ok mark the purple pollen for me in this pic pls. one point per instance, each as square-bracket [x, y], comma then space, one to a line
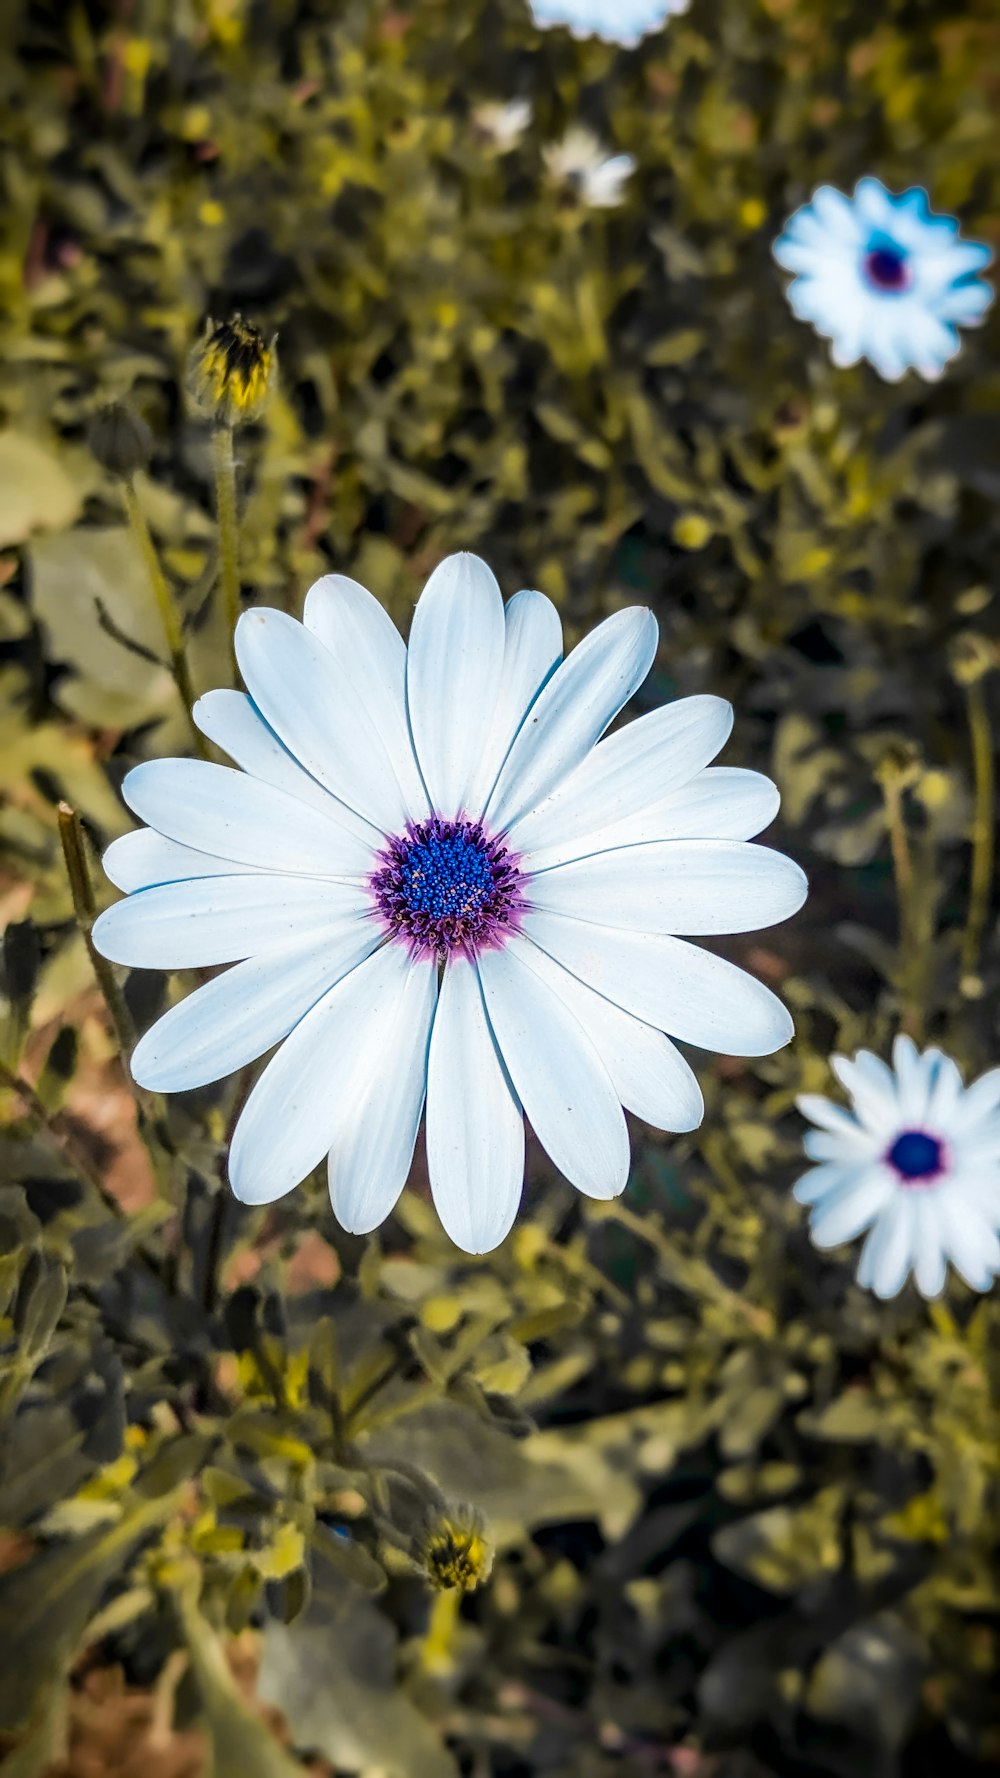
[446, 886]
[916, 1157]
[887, 269]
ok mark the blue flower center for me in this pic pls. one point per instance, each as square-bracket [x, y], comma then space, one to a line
[887, 268]
[448, 878]
[445, 886]
[915, 1155]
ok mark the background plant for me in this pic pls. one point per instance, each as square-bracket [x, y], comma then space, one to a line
[744, 1516]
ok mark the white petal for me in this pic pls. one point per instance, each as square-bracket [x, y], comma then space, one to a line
[372, 1152]
[232, 720]
[829, 1116]
[945, 1095]
[887, 1253]
[532, 651]
[973, 1247]
[648, 1073]
[235, 1018]
[836, 212]
[852, 1207]
[308, 1091]
[315, 706]
[981, 1099]
[361, 635]
[231, 815]
[692, 887]
[964, 304]
[816, 1185]
[623, 778]
[563, 1085]
[930, 1259]
[719, 803]
[475, 1131]
[872, 1087]
[142, 859]
[453, 676]
[845, 1146]
[207, 920]
[687, 992]
[572, 711]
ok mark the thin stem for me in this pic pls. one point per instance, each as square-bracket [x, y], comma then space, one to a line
[85, 909]
[225, 506]
[149, 1107]
[168, 616]
[984, 776]
[909, 918]
[436, 1650]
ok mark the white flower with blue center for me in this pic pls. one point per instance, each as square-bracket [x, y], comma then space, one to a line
[436, 882]
[916, 1161]
[883, 277]
[619, 21]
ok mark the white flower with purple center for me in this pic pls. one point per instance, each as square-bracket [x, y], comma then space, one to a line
[884, 277]
[437, 885]
[916, 1161]
[619, 21]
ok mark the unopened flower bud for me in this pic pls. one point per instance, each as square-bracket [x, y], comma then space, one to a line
[232, 370]
[454, 1549]
[121, 441]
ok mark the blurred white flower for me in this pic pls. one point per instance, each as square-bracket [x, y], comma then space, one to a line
[883, 277]
[916, 1160]
[435, 880]
[619, 21]
[503, 125]
[580, 163]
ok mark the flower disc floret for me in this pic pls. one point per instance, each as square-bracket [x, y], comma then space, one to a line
[887, 268]
[447, 886]
[917, 1157]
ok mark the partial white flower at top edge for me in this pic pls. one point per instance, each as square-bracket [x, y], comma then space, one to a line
[579, 162]
[884, 277]
[916, 1160]
[618, 21]
[436, 882]
[502, 126]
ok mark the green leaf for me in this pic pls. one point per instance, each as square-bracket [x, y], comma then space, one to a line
[241, 1745]
[74, 574]
[36, 492]
[45, 1605]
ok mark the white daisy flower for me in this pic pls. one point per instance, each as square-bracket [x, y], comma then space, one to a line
[916, 1161]
[579, 161]
[435, 880]
[502, 126]
[618, 21]
[883, 277]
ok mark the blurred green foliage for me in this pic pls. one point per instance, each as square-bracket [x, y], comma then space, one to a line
[745, 1516]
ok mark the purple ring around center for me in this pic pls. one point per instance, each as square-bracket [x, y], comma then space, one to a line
[448, 887]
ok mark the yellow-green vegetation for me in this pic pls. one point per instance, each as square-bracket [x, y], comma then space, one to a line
[742, 1517]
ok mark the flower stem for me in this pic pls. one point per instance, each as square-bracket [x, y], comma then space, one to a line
[910, 962]
[149, 1107]
[85, 909]
[436, 1651]
[225, 506]
[984, 777]
[179, 669]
